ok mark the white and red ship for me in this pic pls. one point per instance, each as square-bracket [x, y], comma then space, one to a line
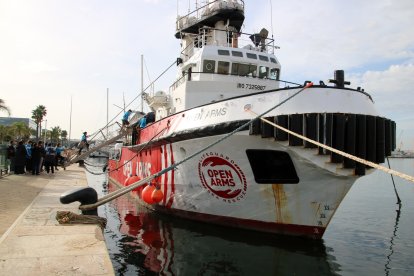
[260, 178]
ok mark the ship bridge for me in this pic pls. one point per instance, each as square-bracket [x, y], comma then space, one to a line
[214, 73]
[217, 60]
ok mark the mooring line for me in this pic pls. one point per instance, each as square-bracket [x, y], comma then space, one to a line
[344, 154]
[393, 183]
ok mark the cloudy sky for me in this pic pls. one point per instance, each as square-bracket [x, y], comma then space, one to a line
[55, 50]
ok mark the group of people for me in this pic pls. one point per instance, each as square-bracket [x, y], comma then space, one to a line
[32, 157]
[145, 120]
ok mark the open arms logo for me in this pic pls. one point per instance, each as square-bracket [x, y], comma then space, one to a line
[222, 177]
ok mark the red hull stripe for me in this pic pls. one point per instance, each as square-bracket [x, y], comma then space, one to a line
[171, 199]
[164, 201]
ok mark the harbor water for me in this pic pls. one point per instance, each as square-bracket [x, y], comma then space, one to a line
[367, 236]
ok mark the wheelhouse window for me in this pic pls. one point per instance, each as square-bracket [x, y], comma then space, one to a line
[223, 67]
[209, 66]
[252, 56]
[273, 60]
[224, 52]
[274, 74]
[263, 72]
[241, 69]
[264, 58]
[237, 54]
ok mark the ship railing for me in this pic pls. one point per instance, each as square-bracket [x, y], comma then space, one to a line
[253, 42]
[206, 10]
[234, 40]
[177, 83]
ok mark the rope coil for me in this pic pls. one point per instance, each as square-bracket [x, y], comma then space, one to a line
[66, 217]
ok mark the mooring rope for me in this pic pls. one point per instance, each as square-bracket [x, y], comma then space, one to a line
[393, 183]
[344, 154]
[124, 190]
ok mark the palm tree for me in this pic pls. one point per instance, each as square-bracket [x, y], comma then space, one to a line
[64, 135]
[20, 130]
[37, 115]
[4, 133]
[3, 107]
[55, 134]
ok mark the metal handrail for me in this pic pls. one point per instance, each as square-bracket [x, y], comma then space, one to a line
[241, 2]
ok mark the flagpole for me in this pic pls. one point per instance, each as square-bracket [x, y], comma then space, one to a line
[70, 119]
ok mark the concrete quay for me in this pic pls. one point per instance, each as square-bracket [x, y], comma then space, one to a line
[32, 242]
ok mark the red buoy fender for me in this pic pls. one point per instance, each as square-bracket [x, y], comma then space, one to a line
[157, 195]
[147, 194]
[133, 179]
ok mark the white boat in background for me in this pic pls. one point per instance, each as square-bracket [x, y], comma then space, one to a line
[260, 178]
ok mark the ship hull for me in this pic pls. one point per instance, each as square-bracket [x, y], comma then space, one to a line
[219, 186]
[247, 181]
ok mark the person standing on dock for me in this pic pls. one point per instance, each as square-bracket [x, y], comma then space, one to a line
[37, 152]
[125, 118]
[11, 152]
[59, 158]
[20, 158]
[50, 158]
[28, 146]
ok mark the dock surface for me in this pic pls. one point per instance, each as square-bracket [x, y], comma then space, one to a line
[32, 242]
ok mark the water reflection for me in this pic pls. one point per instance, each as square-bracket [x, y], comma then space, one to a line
[150, 243]
[394, 235]
[365, 237]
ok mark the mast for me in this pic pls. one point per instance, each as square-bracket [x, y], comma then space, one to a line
[70, 119]
[107, 110]
[142, 83]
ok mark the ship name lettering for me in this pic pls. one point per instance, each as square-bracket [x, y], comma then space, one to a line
[202, 115]
[143, 169]
[221, 178]
[127, 168]
[216, 112]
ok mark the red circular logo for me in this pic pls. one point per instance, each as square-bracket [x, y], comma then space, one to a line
[222, 177]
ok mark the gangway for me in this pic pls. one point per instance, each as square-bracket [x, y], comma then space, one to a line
[76, 158]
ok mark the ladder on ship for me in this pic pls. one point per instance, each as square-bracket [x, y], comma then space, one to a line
[106, 143]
